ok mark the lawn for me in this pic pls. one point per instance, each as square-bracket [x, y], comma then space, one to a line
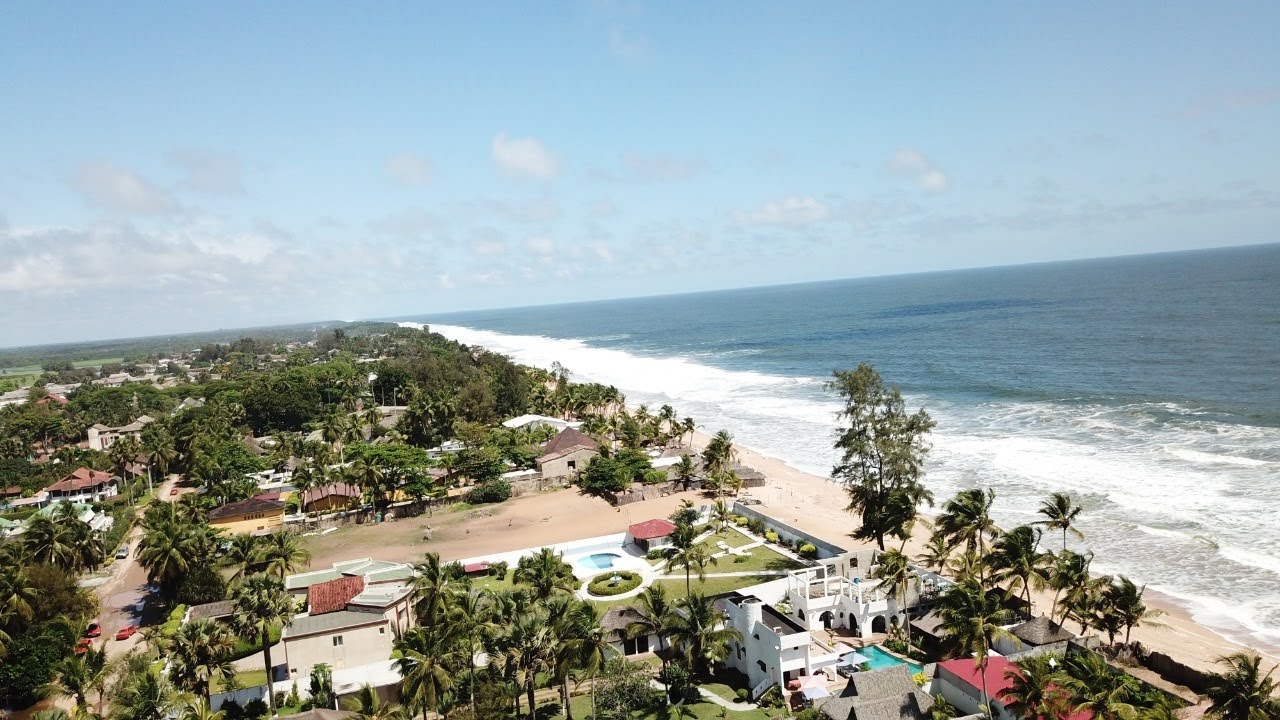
[729, 536]
[245, 679]
[712, 585]
[494, 584]
[761, 558]
[581, 705]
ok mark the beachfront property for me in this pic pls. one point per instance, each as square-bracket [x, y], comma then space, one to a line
[884, 694]
[960, 682]
[102, 437]
[1038, 632]
[83, 486]
[651, 535]
[533, 421]
[255, 516]
[334, 496]
[614, 623]
[374, 572]
[567, 454]
[774, 648]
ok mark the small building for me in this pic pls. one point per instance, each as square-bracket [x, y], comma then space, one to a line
[333, 595]
[884, 694]
[532, 421]
[774, 648]
[220, 610]
[651, 534]
[960, 682]
[340, 639]
[476, 569]
[255, 516]
[567, 454]
[327, 498]
[84, 485]
[1034, 633]
[102, 437]
[374, 572]
[615, 622]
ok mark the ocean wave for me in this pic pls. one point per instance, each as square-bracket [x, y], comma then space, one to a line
[1196, 456]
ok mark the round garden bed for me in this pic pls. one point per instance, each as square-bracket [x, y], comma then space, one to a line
[613, 583]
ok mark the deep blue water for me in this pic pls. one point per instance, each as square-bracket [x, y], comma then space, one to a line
[1146, 385]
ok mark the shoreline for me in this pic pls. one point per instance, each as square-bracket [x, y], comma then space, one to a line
[806, 500]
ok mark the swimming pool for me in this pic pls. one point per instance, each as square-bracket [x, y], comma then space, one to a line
[878, 658]
[598, 561]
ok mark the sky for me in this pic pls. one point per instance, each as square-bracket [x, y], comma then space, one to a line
[176, 167]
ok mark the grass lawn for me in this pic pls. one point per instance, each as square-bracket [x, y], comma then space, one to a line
[762, 558]
[581, 705]
[726, 683]
[97, 362]
[245, 679]
[729, 536]
[711, 586]
[495, 584]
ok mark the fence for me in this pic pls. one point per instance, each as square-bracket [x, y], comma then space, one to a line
[787, 532]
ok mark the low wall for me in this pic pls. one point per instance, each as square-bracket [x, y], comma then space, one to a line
[787, 532]
[241, 697]
[537, 485]
[641, 493]
[1173, 671]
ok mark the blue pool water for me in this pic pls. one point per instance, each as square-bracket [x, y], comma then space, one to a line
[599, 561]
[878, 658]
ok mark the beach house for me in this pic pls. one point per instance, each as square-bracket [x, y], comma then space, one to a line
[349, 620]
[652, 534]
[615, 622]
[883, 694]
[334, 496]
[255, 516]
[84, 486]
[567, 454]
[840, 593]
[102, 437]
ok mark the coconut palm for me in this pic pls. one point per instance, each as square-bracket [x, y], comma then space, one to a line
[1243, 691]
[686, 470]
[368, 706]
[688, 426]
[472, 611]
[545, 572]
[200, 710]
[77, 676]
[972, 620]
[1036, 689]
[695, 631]
[1097, 689]
[260, 605]
[719, 454]
[721, 515]
[1069, 574]
[243, 556]
[528, 650]
[281, 553]
[430, 589]
[966, 521]
[936, 553]
[1124, 599]
[143, 694]
[51, 542]
[1015, 559]
[654, 613]
[1060, 513]
[199, 653]
[694, 558]
[586, 647]
[893, 568]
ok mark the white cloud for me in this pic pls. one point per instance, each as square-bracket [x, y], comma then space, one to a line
[446, 282]
[909, 162]
[793, 211]
[114, 188]
[488, 242]
[658, 167]
[409, 169]
[602, 207]
[543, 246]
[414, 224]
[524, 157]
[207, 172]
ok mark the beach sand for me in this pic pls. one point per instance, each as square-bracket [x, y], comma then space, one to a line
[811, 503]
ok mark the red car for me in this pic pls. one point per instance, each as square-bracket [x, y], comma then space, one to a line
[93, 631]
[173, 491]
[126, 632]
[82, 647]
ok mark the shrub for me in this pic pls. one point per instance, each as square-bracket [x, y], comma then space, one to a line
[739, 521]
[614, 583]
[494, 491]
[498, 568]
[656, 554]
[771, 536]
[255, 709]
[740, 558]
[920, 679]
[772, 698]
[808, 550]
[174, 621]
[743, 695]
[756, 525]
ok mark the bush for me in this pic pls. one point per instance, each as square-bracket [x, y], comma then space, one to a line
[494, 491]
[743, 695]
[498, 568]
[771, 536]
[614, 583]
[174, 621]
[255, 709]
[740, 558]
[739, 520]
[656, 554]
[808, 550]
[772, 698]
[756, 525]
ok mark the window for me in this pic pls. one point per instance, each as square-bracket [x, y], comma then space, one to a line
[763, 667]
[382, 631]
[337, 641]
[573, 464]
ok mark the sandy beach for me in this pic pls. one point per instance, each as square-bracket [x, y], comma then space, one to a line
[809, 502]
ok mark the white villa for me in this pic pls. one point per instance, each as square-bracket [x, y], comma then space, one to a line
[774, 647]
[102, 437]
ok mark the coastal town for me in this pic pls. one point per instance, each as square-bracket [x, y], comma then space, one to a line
[374, 521]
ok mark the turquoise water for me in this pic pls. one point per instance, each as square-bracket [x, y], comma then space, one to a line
[599, 561]
[1145, 386]
[878, 658]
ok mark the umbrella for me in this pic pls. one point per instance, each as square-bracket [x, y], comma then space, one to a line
[854, 659]
[814, 693]
[812, 681]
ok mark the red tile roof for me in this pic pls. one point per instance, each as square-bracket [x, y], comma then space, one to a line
[52, 397]
[81, 479]
[245, 507]
[651, 529]
[11, 491]
[475, 567]
[997, 682]
[332, 596]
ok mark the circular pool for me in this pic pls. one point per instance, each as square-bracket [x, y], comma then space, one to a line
[599, 561]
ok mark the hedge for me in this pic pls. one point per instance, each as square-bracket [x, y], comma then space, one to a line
[605, 585]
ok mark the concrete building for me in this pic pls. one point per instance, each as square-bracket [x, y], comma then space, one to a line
[374, 572]
[255, 516]
[615, 622]
[651, 534]
[567, 454]
[102, 437]
[339, 639]
[532, 421]
[84, 486]
[774, 648]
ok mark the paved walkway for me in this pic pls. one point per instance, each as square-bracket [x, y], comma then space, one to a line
[713, 698]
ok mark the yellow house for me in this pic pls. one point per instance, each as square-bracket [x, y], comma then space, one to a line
[255, 516]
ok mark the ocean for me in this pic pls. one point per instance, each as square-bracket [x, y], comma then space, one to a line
[1146, 386]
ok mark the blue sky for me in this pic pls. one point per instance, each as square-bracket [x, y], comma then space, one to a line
[177, 167]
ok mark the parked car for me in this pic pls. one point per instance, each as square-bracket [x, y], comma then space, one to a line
[126, 632]
[93, 631]
[122, 552]
[82, 647]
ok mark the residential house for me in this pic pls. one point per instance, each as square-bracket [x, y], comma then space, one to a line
[374, 572]
[960, 682]
[567, 454]
[188, 403]
[102, 437]
[220, 610]
[341, 639]
[256, 516]
[651, 534]
[52, 398]
[774, 648]
[334, 496]
[532, 421]
[84, 485]
[885, 694]
[14, 397]
[614, 623]
[38, 500]
[842, 593]
[1037, 632]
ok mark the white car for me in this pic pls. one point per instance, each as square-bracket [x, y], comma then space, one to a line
[123, 552]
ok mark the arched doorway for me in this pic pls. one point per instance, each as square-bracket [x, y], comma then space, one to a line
[878, 624]
[827, 619]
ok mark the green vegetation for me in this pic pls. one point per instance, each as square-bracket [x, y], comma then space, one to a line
[615, 583]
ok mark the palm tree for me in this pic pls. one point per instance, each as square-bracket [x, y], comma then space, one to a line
[721, 515]
[260, 605]
[719, 454]
[243, 556]
[430, 589]
[1036, 689]
[966, 520]
[936, 553]
[368, 706]
[281, 553]
[1069, 574]
[199, 653]
[77, 676]
[1124, 599]
[158, 449]
[688, 426]
[654, 613]
[1016, 559]
[546, 572]
[693, 558]
[426, 665]
[51, 543]
[471, 611]
[528, 648]
[1060, 513]
[1243, 691]
[696, 632]
[893, 568]
[586, 647]
[143, 694]
[1097, 689]
[686, 470]
[971, 621]
[200, 710]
